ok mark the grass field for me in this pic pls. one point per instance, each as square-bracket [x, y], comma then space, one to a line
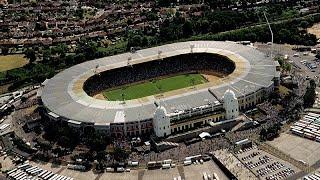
[149, 88]
[11, 62]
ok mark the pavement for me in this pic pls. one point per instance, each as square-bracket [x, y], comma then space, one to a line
[191, 172]
[297, 147]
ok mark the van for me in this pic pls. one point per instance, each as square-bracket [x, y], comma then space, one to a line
[109, 169]
[187, 162]
[120, 169]
[166, 166]
[168, 161]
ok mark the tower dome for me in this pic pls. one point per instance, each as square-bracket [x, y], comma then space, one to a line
[230, 104]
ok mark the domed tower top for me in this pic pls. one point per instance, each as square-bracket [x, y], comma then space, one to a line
[230, 104]
[161, 122]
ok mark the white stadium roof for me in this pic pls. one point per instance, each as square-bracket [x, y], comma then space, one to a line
[64, 95]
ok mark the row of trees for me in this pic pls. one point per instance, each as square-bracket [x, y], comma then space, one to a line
[310, 95]
[212, 23]
[222, 4]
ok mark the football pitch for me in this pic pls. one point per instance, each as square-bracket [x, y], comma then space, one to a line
[152, 87]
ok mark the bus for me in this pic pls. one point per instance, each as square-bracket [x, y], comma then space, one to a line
[23, 165]
[30, 169]
[12, 171]
[37, 171]
[53, 177]
[45, 174]
[42, 173]
[48, 176]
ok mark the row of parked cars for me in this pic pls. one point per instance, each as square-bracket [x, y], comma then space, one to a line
[262, 160]
[281, 175]
[250, 156]
[270, 168]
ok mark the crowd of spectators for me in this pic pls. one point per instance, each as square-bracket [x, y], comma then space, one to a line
[180, 152]
[186, 63]
[270, 113]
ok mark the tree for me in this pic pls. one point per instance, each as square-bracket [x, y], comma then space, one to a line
[46, 55]
[310, 95]
[304, 24]
[61, 50]
[79, 13]
[30, 54]
[263, 134]
[144, 41]
[187, 29]
[119, 154]
[5, 50]
[134, 40]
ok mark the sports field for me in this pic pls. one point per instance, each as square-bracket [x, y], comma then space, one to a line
[149, 88]
[11, 62]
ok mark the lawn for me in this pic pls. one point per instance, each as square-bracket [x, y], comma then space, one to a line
[9, 62]
[152, 87]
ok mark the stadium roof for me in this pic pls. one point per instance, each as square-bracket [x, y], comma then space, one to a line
[64, 95]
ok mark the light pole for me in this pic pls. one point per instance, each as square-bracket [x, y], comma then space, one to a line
[129, 59]
[265, 16]
[159, 54]
[191, 47]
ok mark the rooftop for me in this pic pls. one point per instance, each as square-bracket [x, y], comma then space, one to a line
[64, 96]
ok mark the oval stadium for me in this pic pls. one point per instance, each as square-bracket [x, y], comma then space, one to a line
[162, 90]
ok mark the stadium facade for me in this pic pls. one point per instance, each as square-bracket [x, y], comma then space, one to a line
[253, 78]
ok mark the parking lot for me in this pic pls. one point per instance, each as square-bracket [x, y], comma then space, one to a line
[299, 148]
[234, 165]
[297, 59]
[264, 165]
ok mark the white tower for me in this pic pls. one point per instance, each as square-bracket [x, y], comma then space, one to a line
[230, 104]
[161, 122]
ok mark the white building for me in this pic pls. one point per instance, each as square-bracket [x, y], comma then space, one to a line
[161, 122]
[230, 104]
[162, 119]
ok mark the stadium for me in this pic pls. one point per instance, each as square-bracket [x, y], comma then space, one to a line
[179, 86]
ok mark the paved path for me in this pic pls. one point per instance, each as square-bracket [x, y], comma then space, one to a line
[61, 169]
[181, 172]
[140, 174]
[99, 176]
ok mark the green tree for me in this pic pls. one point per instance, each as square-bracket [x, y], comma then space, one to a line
[304, 24]
[5, 50]
[310, 95]
[46, 55]
[30, 54]
[187, 29]
[134, 40]
[119, 154]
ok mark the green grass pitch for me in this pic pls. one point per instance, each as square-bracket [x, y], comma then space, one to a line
[152, 87]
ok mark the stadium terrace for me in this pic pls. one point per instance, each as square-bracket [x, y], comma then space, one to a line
[248, 76]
